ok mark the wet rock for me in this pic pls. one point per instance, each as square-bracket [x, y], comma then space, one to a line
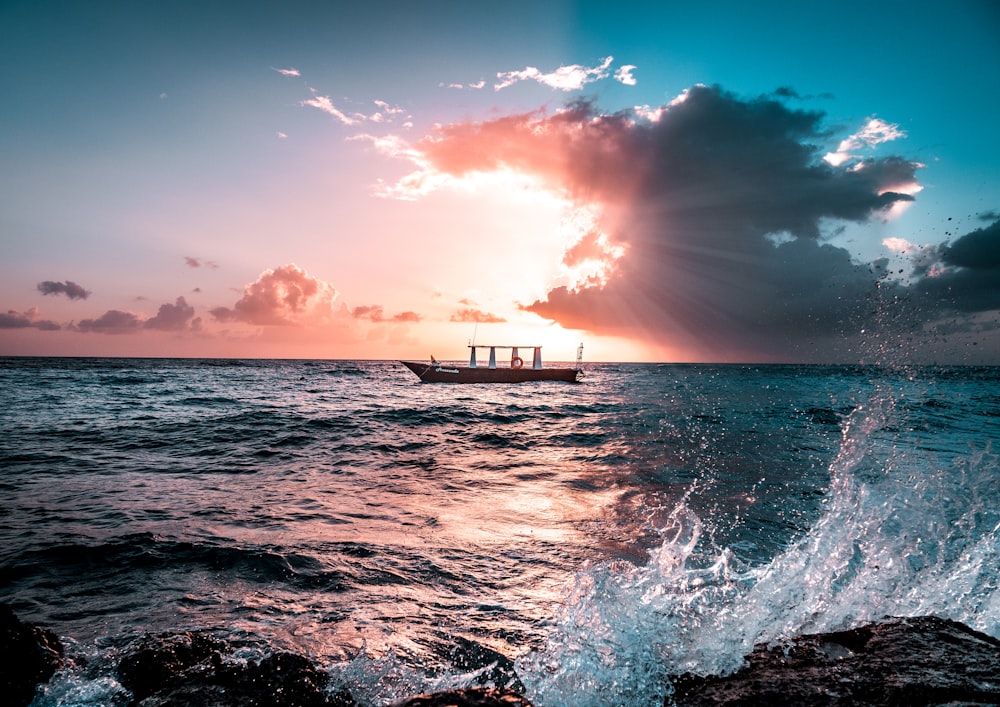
[915, 661]
[469, 697]
[158, 662]
[188, 669]
[29, 656]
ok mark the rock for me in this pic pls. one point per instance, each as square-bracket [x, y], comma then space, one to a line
[29, 656]
[188, 669]
[914, 661]
[470, 697]
[159, 662]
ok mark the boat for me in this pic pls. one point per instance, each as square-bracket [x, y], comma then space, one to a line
[515, 372]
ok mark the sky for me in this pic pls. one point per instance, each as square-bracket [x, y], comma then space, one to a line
[675, 182]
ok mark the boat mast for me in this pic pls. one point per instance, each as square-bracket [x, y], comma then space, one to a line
[472, 346]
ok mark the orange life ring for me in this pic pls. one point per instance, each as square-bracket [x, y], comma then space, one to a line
[516, 362]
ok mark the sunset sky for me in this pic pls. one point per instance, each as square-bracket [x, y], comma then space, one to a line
[725, 181]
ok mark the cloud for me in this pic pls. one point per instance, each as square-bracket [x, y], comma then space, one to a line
[21, 320]
[475, 315]
[874, 132]
[565, 78]
[288, 72]
[964, 275]
[68, 288]
[978, 250]
[712, 219]
[324, 104]
[285, 296]
[113, 321]
[376, 314]
[172, 317]
[624, 75]
[384, 113]
[372, 313]
[192, 262]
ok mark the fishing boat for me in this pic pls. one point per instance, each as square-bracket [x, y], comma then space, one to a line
[515, 372]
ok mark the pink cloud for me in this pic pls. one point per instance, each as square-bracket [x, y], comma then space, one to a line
[406, 317]
[376, 314]
[475, 315]
[285, 296]
[373, 313]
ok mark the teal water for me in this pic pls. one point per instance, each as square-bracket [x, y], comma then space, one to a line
[653, 519]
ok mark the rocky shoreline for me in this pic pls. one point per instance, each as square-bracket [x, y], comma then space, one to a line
[899, 661]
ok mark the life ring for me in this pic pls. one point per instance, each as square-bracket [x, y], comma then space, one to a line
[516, 362]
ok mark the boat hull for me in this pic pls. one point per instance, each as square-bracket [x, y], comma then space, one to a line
[429, 373]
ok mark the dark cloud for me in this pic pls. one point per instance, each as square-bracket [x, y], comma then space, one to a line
[979, 250]
[693, 201]
[68, 288]
[963, 276]
[193, 262]
[406, 317]
[20, 320]
[172, 317]
[113, 321]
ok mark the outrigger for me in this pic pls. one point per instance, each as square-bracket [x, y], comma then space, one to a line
[517, 372]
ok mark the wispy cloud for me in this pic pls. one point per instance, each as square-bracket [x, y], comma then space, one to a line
[324, 104]
[193, 262]
[384, 112]
[565, 78]
[288, 72]
[68, 288]
[874, 132]
[376, 314]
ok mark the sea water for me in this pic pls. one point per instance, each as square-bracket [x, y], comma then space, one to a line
[651, 520]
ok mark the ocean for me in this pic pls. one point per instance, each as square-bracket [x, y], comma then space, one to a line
[651, 520]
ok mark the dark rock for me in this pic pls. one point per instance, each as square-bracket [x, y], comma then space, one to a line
[159, 662]
[29, 656]
[188, 669]
[915, 661]
[469, 697]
